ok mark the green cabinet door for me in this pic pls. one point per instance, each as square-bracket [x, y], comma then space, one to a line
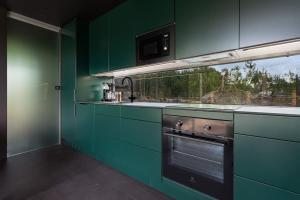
[152, 15]
[122, 36]
[68, 65]
[270, 161]
[107, 143]
[246, 189]
[140, 163]
[207, 26]
[99, 43]
[144, 134]
[84, 128]
[265, 21]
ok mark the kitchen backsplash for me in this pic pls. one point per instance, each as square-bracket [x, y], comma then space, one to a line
[268, 82]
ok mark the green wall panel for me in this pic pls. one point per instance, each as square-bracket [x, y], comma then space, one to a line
[269, 161]
[246, 189]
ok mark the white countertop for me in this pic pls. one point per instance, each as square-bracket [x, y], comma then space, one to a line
[295, 111]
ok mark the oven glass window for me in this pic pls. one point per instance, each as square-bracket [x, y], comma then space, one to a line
[202, 157]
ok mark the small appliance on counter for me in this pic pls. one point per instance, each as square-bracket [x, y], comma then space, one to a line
[109, 93]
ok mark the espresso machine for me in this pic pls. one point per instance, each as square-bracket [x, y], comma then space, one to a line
[109, 93]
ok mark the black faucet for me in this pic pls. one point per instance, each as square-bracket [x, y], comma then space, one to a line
[131, 87]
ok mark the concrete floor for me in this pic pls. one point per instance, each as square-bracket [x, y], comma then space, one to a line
[60, 173]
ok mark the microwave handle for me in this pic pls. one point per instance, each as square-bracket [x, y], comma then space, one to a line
[195, 140]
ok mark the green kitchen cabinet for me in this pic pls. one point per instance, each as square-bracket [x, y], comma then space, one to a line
[181, 192]
[152, 15]
[141, 133]
[68, 78]
[122, 36]
[207, 26]
[268, 126]
[108, 110]
[107, 143]
[140, 163]
[141, 113]
[246, 189]
[99, 45]
[269, 161]
[84, 133]
[266, 21]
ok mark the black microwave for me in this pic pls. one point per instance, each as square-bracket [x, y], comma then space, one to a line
[156, 46]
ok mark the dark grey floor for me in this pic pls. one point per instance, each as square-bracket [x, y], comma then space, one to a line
[59, 173]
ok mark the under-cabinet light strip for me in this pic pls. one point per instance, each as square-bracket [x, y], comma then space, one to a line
[288, 48]
[32, 21]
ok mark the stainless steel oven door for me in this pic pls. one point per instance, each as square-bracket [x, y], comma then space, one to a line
[200, 163]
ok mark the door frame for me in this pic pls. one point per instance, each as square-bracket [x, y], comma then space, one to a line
[3, 85]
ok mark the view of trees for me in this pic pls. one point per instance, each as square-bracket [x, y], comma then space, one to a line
[241, 83]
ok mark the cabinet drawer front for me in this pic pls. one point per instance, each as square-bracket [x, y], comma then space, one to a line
[144, 134]
[201, 114]
[277, 127]
[111, 110]
[268, 161]
[245, 189]
[141, 113]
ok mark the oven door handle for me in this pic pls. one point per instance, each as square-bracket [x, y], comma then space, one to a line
[196, 140]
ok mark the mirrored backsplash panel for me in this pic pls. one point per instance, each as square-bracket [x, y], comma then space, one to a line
[266, 82]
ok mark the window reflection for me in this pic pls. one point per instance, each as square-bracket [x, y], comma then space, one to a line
[268, 82]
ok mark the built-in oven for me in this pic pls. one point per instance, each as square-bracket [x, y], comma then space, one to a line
[198, 153]
[156, 46]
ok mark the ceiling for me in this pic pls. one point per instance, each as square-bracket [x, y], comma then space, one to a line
[60, 12]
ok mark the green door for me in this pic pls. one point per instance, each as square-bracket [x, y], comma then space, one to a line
[68, 65]
[207, 26]
[99, 42]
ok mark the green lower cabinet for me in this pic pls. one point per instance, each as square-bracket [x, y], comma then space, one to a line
[140, 133]
[107, 143]
[140, 163]
[84, 137]
[269, 161]
[246, 189]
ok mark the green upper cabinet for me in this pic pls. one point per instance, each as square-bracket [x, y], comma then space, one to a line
[122, 36]
[99, 42]
[113, 35]
[153, 14]
[206, 26]
[266, 21]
